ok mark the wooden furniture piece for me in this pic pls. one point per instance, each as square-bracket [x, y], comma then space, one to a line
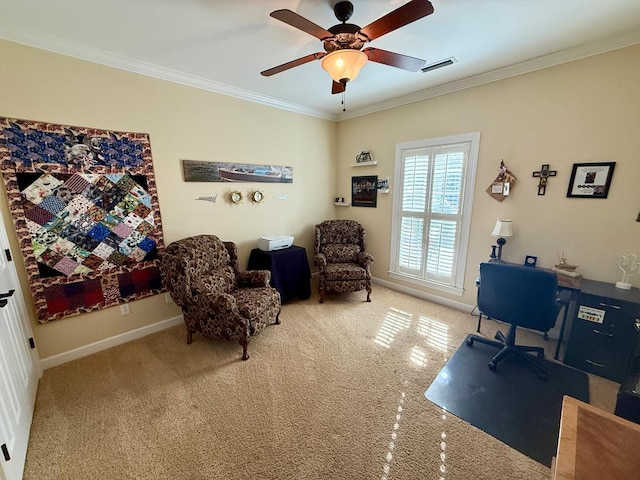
[604, 334]
[595, 445]
[289, 267]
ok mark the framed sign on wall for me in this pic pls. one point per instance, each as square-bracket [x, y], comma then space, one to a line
[591, 180]
[364, 191]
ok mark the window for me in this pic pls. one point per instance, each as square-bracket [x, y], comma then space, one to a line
[434, 182]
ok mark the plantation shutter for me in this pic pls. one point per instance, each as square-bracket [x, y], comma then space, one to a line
[431, 212]
[414, 207]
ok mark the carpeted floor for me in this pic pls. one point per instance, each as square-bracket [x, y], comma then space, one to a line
[334, 392]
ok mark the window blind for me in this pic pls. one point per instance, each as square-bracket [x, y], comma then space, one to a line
[431, 212]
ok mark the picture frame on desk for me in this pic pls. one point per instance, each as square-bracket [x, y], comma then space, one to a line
[591, 180]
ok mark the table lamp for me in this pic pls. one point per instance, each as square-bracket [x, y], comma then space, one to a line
[503, 228]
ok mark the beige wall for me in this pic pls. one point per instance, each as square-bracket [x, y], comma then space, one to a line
[183, 123]
[584, 111]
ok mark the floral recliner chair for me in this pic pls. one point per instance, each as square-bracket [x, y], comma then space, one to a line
[218, 300]
[340, 256]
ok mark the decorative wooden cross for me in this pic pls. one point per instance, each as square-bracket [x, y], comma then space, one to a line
[544, 174]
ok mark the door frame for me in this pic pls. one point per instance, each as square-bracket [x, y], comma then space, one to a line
[18, 301]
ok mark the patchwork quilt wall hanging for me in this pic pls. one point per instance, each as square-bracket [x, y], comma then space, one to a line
[85, 209]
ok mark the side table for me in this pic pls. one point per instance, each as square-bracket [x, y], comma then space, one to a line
[289, 267]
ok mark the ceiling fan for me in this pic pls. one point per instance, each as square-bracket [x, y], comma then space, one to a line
[343, 56]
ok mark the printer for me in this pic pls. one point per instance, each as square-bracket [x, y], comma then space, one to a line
[274, 242]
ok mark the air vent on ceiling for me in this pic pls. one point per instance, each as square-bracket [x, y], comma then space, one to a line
[442, 63]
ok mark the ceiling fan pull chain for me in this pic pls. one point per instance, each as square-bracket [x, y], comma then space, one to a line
[344, 98]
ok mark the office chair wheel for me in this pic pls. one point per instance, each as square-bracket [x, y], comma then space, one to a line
[492, 365]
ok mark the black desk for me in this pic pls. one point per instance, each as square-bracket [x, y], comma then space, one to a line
[290, 272]
[571, 285]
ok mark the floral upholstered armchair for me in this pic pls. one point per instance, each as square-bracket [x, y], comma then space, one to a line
[217, 300]
[340, 256]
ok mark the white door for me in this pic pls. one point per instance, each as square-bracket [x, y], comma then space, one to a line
[20, 369]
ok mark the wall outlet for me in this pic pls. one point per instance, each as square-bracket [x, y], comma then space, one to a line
[124, 309]
[167, 298]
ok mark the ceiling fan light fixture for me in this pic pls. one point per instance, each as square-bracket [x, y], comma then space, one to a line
[344, 65]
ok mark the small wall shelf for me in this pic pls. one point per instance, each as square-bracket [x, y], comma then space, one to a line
[364, 164]
[341, 204]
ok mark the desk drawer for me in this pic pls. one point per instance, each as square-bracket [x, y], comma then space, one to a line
[593, 349]
[604, 348]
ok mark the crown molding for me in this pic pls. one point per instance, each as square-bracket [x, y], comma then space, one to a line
[55, 45]
[521, 68]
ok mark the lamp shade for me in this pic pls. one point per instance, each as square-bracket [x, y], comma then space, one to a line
[503, 228]
[344, 65]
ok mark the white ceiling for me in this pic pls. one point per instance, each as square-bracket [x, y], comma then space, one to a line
[222, 46]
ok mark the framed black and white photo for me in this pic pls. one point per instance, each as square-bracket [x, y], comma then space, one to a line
[590, 180]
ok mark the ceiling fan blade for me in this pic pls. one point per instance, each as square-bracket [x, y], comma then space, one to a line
[338, 87]
[409, 12]
[292, 63]
[392, 59]
[301, 23]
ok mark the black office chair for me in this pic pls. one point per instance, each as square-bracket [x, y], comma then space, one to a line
[521, 296]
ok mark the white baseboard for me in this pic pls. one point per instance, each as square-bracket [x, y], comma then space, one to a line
[427, 296]
[95, 347]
